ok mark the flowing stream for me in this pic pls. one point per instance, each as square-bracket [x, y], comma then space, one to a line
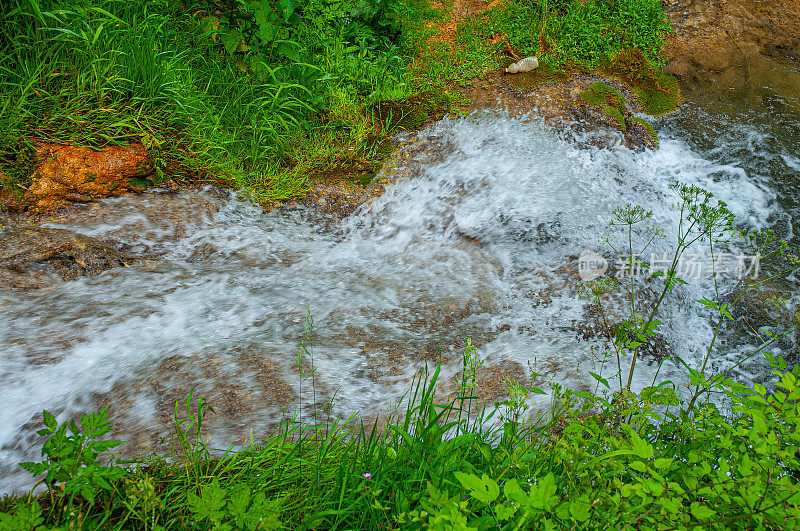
[478, 237]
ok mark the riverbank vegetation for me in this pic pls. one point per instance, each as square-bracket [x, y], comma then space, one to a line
[590, 461]
[270, 95]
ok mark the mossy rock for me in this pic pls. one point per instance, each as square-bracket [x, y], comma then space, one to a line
[599, 94]
[658, 94]
[616, 115]
[636, 121]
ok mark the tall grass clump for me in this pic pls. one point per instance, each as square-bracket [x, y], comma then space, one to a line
[587, 34]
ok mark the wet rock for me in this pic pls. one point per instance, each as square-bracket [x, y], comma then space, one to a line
[33, 257]
[68, 174]
[719, 36]
[767, 305]
[602, 105]
[340, 199]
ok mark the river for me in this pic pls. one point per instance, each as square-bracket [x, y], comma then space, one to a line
[478, 236]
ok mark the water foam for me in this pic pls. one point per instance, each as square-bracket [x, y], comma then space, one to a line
[493, 211]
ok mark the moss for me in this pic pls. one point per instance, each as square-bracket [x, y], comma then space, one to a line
[546, 73]
[600, 94]
[616, 114]
[658, 94]
[139, 183]
[648, 128]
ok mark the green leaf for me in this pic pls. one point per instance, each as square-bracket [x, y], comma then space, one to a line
[638, 466]
[34, 468]
[659, 396]
[504, 512]
[239, 501]
[286, 8]
[600, 379]
[231, 40]
[543, 493]
[289, 50]
[49, 420]
[483, 489]
[486, 451]
[514, 493]
[642, 448]
[27, 517]
[662, 463]
[579, 510]
[210, 503]
[209, 24]
[701, 512]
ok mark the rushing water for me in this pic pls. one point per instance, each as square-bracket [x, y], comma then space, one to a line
[477, 238]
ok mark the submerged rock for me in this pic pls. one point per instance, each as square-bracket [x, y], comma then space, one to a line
[730, 35]
[31, 258]
[68, 174]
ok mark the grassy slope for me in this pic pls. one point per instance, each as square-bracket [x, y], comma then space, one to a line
[156, 71]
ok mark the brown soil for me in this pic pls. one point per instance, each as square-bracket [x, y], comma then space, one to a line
[738, 41]
[461, 10]
[713, 36]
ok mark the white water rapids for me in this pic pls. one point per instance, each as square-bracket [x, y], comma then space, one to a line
[476, 238]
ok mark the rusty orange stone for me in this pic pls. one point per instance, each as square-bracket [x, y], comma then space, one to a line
[81, 174]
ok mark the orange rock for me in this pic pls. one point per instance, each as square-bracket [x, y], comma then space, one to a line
[81, 174]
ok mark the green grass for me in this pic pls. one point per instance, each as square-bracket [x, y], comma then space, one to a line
[570, 34]
[588, 462]
[118, 71]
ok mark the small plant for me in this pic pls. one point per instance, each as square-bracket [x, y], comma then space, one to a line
[235, 508]
[188, 425]
[72, 465]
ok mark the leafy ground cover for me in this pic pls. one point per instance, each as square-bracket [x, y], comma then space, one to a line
[590, 462]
